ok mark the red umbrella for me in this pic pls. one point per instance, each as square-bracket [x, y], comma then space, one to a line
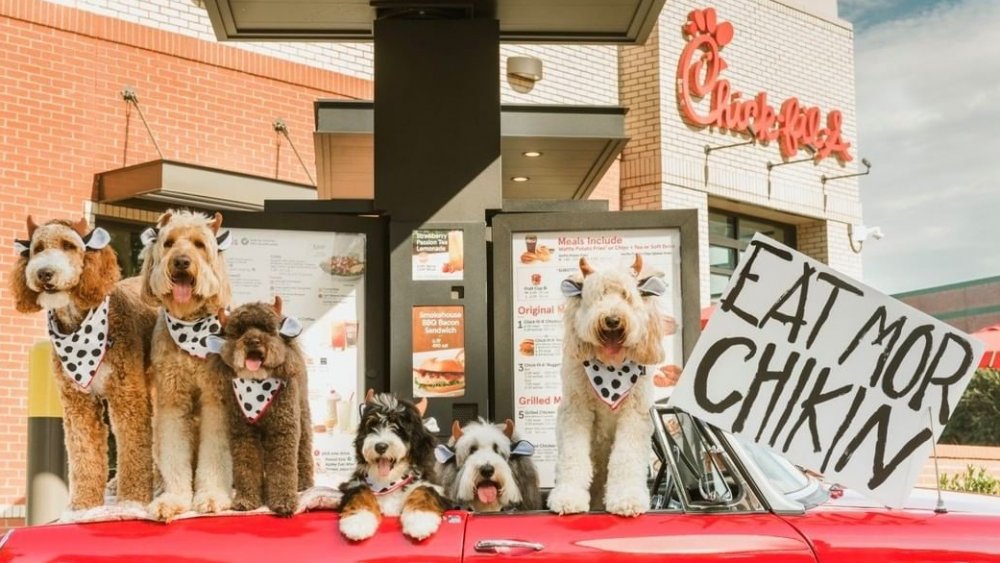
[991, 337]
[707, 312]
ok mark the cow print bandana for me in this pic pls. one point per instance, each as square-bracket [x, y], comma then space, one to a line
[192, 337]
[81, 352]
[255, 395]
[613, 383]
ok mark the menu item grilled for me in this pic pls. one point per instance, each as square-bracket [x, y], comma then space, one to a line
[438, 376]
[527, 347]
[542, 253]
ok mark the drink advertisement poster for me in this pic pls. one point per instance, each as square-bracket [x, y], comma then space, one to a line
[437, 255]
[541, 261]
[439, 351]
[320, 277]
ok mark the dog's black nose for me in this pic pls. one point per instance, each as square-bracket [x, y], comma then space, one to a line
[486, 471]
[381, 447]
[612, 322]
[45, 275]
[252, 341]
[182, 263]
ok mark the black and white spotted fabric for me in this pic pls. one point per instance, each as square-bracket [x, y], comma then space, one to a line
[192, 336]
[81, 352]
[255, 395]
[613, 383]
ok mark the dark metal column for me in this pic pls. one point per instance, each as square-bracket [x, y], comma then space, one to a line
[437, 165]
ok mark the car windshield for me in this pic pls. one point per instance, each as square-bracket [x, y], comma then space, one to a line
[779, 471]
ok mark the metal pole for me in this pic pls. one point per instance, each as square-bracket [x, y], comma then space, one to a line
[48, 485]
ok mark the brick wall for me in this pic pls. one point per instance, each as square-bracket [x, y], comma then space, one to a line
[62, 120]
[572, 75]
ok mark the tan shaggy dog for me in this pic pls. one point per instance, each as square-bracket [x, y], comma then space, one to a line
[263, 377]
[183, 271]
[100, 331]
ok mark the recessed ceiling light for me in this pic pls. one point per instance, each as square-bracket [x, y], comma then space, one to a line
[532, 154]
[520, 178]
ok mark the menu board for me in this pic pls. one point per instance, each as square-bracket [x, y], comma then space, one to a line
[320, 277]
[541, 261]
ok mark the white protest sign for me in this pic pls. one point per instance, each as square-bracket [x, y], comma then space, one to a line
[826, 371]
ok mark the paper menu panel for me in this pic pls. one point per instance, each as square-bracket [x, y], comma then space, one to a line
[541, 261]
[320, 278]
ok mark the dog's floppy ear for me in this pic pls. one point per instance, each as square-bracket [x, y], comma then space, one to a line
[443, 454]
[508, 428]
[571, 288]
[653, 285]
[456, 430]
[421, 406]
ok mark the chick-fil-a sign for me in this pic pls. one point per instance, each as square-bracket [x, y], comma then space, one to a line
[792, 125]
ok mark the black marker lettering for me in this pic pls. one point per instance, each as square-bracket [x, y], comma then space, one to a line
[900, 354]
[944, 410]
[800, 288]
[808, 414]
[728, 301]
[793, 401]
[764, 375]
[881, 470]
[838, 284]
[892, 331]
[705, 367]
[859, 398]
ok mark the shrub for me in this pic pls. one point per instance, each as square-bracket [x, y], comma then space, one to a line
[976, 420]
[974, 480]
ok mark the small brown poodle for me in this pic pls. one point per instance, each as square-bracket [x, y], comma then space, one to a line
[263, 375]
[100, 333]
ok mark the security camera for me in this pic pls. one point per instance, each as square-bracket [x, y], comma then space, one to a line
[860, 233]
[876, 233]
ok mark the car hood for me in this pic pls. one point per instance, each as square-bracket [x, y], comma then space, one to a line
[926, 499]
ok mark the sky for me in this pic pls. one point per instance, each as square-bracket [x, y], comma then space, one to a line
[928, 103]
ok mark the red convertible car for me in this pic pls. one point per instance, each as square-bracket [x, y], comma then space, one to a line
[715, 498]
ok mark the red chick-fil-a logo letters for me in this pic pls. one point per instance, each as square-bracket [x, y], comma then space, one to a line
[792, 125]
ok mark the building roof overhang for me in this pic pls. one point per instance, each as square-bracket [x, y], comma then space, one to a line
[577, 144]
[159, 184]
[521, 21]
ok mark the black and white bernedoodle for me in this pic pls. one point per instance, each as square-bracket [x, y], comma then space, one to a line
[395, 472]
[487, 468]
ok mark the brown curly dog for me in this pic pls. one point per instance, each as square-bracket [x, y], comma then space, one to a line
[100, 332]
[263, 375]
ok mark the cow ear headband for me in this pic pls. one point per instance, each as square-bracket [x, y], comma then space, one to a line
[223, 241]
[94, 240]
[521, 448]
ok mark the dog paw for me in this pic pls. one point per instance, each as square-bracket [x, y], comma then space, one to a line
[627, 503]
[211, 501]
[168, 506]
[244, 503]
[569, 500]
[359, 526]
[283, 505]
[420, 524]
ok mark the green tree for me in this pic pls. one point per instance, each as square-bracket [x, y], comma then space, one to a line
[976, 421]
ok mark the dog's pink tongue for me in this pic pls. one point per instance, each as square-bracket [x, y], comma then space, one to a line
[612, 350]
[252, 364]
[384, 467]
[487, 493]
[182, 292]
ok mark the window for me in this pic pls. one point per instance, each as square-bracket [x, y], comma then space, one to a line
[728, 234]
[126, 242]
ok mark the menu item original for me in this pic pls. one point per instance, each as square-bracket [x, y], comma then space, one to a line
[439, 376]
[527, 347]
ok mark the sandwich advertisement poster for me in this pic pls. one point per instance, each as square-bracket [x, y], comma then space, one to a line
[439, 351]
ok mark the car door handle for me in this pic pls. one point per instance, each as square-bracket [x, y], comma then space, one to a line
[506, 546]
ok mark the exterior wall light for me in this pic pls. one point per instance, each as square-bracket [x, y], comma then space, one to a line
[525, 68]
[532, 154]
[520, 179]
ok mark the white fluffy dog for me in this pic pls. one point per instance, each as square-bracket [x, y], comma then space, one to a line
[486, 468]
[603, 428]
[184, 272]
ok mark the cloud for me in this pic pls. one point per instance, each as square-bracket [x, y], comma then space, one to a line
[928, 89]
